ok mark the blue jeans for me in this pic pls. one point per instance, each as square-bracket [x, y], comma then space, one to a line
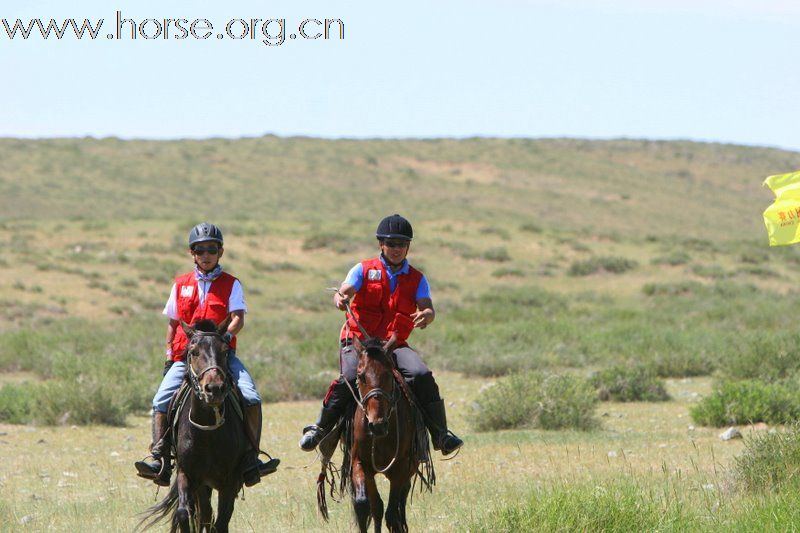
[172, 382]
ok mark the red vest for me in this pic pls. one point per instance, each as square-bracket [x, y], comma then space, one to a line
[187, 300]
[380, 311]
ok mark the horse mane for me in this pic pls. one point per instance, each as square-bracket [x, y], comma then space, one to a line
[205, 325]
[374, 348]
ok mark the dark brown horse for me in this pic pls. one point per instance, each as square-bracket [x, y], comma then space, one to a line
[385, 439]
[210, 439]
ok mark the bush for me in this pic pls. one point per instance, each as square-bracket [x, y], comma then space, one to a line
[499, 255]
[624, 383]
[612, 264]
[744, 402]
[16, 404]
[672, 259]
[758, 271]
[770, 460]
[672, 289]
[508, 272]
[710, 271]
[534, 400]
[682, 364]
[766, 356]
[336, 242]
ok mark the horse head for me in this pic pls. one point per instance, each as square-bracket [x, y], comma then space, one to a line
[376, 384]
[207, 360]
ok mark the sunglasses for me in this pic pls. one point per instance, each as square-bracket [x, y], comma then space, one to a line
[200, 250]
[395, 244]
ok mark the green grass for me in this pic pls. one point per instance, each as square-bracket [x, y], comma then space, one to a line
[747, 402]
[534, 400]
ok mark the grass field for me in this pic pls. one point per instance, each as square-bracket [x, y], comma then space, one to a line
[561, 256]
[67, 478]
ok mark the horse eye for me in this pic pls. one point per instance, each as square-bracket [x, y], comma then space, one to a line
[361, 377]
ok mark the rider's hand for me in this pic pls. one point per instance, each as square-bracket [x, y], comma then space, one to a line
[227, 337]
[422, 318]
[340, 301]
[167, 365]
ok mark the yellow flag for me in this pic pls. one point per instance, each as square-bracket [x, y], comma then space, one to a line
[783, 216]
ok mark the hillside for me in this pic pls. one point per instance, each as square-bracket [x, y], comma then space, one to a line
[635, 188]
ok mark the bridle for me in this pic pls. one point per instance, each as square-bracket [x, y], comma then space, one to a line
[376, 392]
[194, 379]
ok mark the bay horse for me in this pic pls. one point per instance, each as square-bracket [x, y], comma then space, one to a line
[210, 443]
[387, 436]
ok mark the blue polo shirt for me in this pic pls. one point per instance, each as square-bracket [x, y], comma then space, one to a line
[356, 277]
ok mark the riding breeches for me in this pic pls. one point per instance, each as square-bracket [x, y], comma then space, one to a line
[174, 377]
[414, 370]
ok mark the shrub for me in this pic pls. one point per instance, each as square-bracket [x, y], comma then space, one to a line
[765, 356]
[758, 271]
[770, 460]
[672, 259]
[336, 242]
[530, 227]
[508, 272]
[612, 264]
[499, 254]
[672, 289]
[742, 402]
[16, 404]
[535, 400]
[500, 232]
[624, 383]
[682, 364]
[709, 271]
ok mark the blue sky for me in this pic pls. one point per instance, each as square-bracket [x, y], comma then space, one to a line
[705, 70]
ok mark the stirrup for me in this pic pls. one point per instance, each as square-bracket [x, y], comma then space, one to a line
[270, 467]
[314, 434]
[145, 471]
[442, 440]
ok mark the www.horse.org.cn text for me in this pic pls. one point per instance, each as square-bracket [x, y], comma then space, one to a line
[268, 31]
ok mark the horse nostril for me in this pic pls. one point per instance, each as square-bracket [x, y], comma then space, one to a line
[213, 388]
[379, 429]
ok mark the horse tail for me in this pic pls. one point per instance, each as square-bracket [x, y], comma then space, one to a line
[158, 512]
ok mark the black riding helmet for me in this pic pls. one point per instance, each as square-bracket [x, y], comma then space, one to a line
[205, 232]
[395, 227]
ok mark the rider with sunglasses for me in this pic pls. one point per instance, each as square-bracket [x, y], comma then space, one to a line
[389, 298]
[204, 293]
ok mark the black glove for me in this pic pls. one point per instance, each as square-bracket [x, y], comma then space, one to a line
[227, 337]
[167, 365]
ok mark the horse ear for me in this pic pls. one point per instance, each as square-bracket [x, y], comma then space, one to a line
[357, 344]
[189, 330]
[223, 326]
[389, 345]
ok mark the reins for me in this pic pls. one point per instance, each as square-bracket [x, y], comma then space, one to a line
[194, 379]
[376, 392]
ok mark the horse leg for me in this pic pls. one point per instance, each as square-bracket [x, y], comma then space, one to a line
[375, 502]
[396, 512]
[402, 506]
[361, 501]
[225, 502]
[183, 513]
[204, 511]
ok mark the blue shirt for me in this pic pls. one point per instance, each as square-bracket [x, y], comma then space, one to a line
[356, 278]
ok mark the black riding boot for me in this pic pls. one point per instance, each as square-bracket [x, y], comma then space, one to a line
[313, 434]
[334, 405]
[436, 420]
[254, 469]
[159, 470]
